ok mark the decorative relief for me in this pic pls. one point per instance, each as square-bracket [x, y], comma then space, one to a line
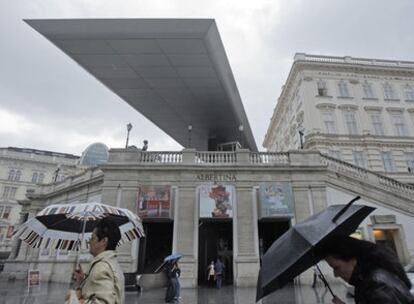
[326, 106]
[373, 108]
[395, 109]
[348, 107]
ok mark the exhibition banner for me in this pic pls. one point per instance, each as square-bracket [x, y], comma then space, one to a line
[216, 201]
[276, 199]
[154, 201]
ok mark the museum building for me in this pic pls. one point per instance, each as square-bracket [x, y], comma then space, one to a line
[216, 197]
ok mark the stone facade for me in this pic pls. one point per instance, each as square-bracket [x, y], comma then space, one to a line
[358, 110]
[316, 181]
[20, 171]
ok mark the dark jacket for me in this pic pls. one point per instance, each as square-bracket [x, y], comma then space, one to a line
[380, 287]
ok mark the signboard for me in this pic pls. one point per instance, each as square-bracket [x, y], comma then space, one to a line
[154, 201]
[276, 199]
[33, 279]
[216, 201]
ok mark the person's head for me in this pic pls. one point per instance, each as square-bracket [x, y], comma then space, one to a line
[344, 253]
[105, 236]
[145, 141]
[341, 268]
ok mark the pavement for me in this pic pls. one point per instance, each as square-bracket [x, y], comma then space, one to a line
[17, 293]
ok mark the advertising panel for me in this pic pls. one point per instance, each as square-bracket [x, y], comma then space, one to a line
[216, 201]
[33, 278]
[154, 201]
[276, 199]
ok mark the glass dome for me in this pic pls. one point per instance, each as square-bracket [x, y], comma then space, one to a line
[94, 155]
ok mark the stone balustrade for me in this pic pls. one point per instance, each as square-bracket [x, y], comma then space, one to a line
[375, 179]
[349, 59]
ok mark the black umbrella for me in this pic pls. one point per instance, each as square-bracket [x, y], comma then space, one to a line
[294, 251]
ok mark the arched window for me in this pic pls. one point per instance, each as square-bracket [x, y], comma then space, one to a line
[11, 175]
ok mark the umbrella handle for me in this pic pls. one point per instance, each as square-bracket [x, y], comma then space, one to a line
[325, 282]
[342, 211]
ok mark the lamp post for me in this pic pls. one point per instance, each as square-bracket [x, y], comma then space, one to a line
[129, 128]
[190, 128]
[301, 131]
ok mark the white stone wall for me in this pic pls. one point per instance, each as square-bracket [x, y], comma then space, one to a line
[335, 196]
[28, 163]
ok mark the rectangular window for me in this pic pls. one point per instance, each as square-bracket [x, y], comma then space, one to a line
[359, 159]
[1, 210]
[343, 89]
[409, 158]
[12, 192]
[409, 93]
[368, 91]
[350, 122]
[322, 90]
[34, 177]
[6, 213]
[377, 124]
[389, 92]
[399, 125]
[6, 191]
[41, 178]
[11, 175]
[329, 122]
[388, 162]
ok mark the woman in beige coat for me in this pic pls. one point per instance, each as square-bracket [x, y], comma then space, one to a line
[104, 281]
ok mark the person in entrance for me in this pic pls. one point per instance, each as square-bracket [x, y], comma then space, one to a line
[211, 275]
[219, 270]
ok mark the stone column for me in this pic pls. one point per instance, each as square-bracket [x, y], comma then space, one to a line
[128, 253]
[186, 234]
[303, 209]
[245, 241]
[17, 243]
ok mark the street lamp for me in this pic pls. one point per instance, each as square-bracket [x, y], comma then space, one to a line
[301, 131]
[190, 128]
[129, 128]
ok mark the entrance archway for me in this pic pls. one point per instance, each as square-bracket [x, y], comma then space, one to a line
[215, 240]
[269, 231]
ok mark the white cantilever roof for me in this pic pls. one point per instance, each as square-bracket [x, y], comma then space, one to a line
[173, 71]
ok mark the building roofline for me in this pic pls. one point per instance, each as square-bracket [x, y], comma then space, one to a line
[41, 152]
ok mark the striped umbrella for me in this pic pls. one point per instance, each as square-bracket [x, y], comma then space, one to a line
[69, 227]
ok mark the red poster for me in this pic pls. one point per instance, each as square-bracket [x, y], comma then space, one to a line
[154, 201]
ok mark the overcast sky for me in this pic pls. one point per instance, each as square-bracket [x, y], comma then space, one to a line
[48, 102]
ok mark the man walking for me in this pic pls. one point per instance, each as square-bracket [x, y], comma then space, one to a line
[219, 269]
